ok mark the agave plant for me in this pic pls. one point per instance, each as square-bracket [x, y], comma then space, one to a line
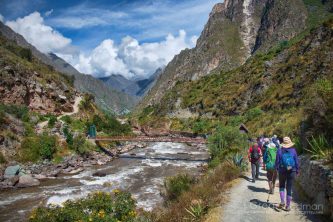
[237, 160]
[195, 211]
[320, 148]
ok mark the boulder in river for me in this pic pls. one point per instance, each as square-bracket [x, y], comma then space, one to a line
[27, 181]
[99, 174]
[12, 171]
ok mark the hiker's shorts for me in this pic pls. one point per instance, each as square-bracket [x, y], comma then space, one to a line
[271, 175]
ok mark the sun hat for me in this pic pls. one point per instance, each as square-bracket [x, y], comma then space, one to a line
[287, 143]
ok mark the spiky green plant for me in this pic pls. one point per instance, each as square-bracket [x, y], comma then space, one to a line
[320, 148]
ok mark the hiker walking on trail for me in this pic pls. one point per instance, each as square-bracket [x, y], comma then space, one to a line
[263, 150]
[287, 166]
[254, 154]
[269, 160]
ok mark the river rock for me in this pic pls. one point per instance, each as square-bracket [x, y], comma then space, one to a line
[12, 171]
[27, 181]
[76, 171]
[99, 174]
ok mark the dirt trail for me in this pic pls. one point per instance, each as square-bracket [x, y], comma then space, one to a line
[40, 126]
[248, 202]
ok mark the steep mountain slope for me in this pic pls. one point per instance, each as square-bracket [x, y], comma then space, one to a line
[105, 97]
[235, 30]
[136, 88]
[26, 81]
[272, 92]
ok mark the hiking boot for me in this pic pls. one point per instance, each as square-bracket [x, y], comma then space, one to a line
[288, 208]
[281, 205]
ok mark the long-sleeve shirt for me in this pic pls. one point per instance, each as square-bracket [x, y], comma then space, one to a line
[278, 160]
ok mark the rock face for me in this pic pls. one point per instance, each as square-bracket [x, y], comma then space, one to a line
[105, 97]
[236, 29]
[320, 187]
[23, 87]
[27, 181]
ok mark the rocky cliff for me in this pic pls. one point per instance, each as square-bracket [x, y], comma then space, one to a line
[105, 97]
[26, 81]
[236, 29]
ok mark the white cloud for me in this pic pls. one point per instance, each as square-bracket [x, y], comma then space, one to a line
[131, 59]
[48, 13]
[2, 19]
[43, 37]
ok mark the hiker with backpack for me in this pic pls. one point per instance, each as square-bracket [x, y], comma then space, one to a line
[269, 160]
[263, 150]
[254, 155]
[287, 165]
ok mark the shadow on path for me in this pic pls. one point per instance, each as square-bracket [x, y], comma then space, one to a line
[246, 178]
[258, 189]
[264, 204]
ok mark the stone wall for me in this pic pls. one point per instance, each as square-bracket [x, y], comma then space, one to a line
[316, 179]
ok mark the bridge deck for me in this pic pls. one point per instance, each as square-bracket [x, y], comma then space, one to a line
[152, 139]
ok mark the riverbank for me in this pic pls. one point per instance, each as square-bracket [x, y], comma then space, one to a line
[143, 176]
[33, 173]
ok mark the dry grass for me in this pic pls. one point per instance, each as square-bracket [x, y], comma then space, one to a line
[207, 193]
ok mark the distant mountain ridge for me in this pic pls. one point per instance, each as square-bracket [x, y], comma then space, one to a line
[105, 97]
[136, 88]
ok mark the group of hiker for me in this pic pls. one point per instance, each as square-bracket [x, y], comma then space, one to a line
[279, 160]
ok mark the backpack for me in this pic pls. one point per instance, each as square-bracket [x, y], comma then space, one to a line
[271, 157]
[288, 160]
[255, 154]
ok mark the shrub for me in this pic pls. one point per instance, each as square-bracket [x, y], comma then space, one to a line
[201, 126]
[176, 185]
[225, 139]
[109, 125]
[67, 119]
[20, 112]
[81, 146]
[52, 121]
[2, 158]
[25, 54]
[38, 147]
[2, 117]
[98, 206]
[68, 135]
[47, 146]
[253, 113]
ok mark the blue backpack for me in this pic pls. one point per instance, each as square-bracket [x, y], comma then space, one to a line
[288, 160]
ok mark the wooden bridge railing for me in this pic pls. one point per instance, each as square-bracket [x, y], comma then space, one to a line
[153, 139]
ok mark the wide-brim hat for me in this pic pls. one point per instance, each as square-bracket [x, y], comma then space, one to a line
[287, 143]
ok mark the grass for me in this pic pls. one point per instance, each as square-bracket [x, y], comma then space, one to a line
[320, 148]
[202, 196]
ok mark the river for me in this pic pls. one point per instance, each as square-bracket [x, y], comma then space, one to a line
[141, 172]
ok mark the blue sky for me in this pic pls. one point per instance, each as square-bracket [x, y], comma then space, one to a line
[85, 25]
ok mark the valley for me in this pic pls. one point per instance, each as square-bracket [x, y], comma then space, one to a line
[144, 128]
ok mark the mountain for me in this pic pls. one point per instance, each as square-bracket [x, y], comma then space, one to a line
[136, 88]
[284, 86]
[105, 97]
[237, 29]
[26, 81]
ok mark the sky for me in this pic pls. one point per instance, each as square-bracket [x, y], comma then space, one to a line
[132, 38]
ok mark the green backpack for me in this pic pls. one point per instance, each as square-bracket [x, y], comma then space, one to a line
[271, 157]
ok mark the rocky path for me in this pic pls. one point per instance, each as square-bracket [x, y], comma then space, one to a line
[248, 202]
[40, 126]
